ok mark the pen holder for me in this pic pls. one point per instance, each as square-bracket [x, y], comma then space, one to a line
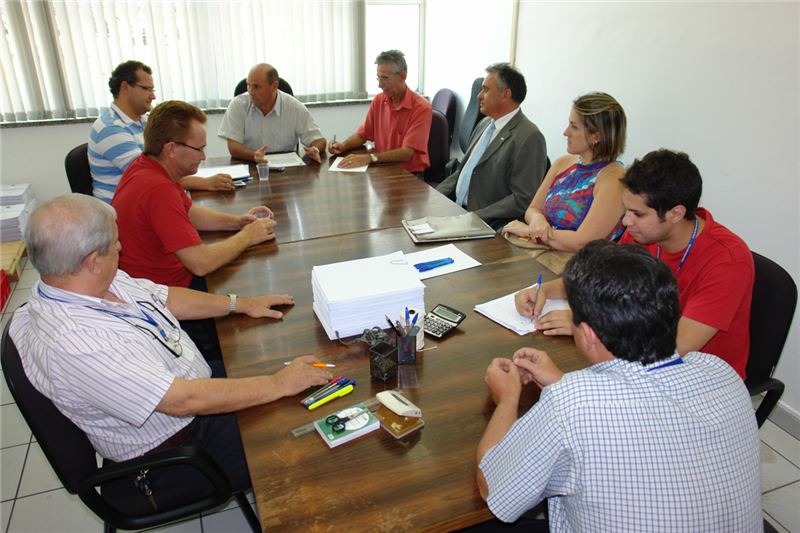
[407, 347]
[383, 361]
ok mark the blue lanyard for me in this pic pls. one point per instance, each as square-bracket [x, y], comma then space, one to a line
[677, 361]
[688, 248]
[122, 316]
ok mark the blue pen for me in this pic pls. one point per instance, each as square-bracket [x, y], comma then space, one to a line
[334, 391]
[538, 288]
[406, 318]
[430, 265]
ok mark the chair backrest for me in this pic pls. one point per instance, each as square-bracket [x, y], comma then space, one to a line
[771, 313]
[64, 444]
[79, 173]
[472, 115]
[438, 148]
[444, 101]
[283, 85]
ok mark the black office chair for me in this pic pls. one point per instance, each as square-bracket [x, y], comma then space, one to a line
[444, 101]
[119, 504]
[771, 313]
[283, 85]
[472, 115]
[79, 173]
[439, 151]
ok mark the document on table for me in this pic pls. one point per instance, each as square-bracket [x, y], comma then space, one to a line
[461, 261]
[335, 167]
[504, 312]
[290, 159]
[235, 171]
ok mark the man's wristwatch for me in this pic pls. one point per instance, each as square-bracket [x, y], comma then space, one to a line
[232, 308]
[374, 158]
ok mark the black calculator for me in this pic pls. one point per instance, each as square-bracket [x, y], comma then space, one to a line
[442, 320]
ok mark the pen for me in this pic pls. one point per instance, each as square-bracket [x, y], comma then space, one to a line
[242, 179]
[430, 265]
[414, 321]
[396, 330]
[338, 394]
[330, 386]
[344, 384]
[406, 318]
[318, 365]
[535, 298]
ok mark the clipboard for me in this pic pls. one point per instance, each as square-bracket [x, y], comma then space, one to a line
[452, 228]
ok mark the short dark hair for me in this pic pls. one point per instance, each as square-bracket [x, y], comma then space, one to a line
[600, 112]
[170, 121]
[509, 77]
[628, 297]
[396, 58]
[666, 179]
[126, 72]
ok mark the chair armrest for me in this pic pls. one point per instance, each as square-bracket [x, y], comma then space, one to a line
[186, 455]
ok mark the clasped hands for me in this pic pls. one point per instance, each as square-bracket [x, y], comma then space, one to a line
[505, 377]
[538, 230]
[260, 155]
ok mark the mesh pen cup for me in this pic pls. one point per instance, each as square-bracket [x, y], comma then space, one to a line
[383, 361]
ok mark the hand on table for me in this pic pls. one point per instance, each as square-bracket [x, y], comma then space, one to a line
[313, 153]
[335, 148]
[259, 155]
[299, 375]
[260, 306]
[218, 182]
[355, 160]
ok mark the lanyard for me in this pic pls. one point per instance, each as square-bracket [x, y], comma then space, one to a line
[688, 248]
[677, 361]
[165, 340]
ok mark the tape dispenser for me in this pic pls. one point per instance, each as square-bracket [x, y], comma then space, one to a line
[397, 414]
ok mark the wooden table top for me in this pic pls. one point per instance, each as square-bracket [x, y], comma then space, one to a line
[311, 202]
[423, 482]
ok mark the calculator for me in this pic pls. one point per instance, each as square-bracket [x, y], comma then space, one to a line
[442, 320]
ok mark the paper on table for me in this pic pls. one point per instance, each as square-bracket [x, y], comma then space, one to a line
[461, 261]
[235, 171]
[504, 312]
[289, 159]
[335, 167]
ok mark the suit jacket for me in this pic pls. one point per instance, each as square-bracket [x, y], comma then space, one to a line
[508, 174]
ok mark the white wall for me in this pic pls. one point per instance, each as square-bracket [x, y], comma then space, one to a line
[719, 81]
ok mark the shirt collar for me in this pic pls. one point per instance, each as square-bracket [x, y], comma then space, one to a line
[125, 118]
[501, 122]
[83, 300]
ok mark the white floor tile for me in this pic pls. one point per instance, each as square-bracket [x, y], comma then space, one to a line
[18, 297]
[53, 512]
[781, 505]
[781, 441]
[6, 317]
[38, 475]
[5, 513]
[776, 525]
[28, 278]
[187, 526]
[13, 459]
[775, 470]
[14, 429]
[232, 521]
[5, 394]
[24, 263]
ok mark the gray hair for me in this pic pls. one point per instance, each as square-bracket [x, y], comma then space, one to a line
[63, 231]
[394, 57]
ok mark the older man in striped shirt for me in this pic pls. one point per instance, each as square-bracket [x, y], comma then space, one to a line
[107, 349]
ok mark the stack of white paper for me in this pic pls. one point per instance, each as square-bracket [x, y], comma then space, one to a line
[14, 218]
[16, 194]
[504, 312]
[352, 296]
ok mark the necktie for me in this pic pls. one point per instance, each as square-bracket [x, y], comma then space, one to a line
[466, 174]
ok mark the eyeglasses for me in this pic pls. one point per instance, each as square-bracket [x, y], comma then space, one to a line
[150, 90]
[201, 150]
[383, 78]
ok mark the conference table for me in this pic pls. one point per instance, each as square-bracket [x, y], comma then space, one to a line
[426, 480]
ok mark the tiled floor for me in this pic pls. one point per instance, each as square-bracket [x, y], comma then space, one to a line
[32, 500]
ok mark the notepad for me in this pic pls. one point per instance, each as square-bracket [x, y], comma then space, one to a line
[234, 171]
[335, 167]
[354, 428]
[504, 312]
[289, 159]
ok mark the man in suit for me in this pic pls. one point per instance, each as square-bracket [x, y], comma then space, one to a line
[507, 155]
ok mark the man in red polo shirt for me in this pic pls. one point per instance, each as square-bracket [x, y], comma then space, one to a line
[398, 121]
[713, 266]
